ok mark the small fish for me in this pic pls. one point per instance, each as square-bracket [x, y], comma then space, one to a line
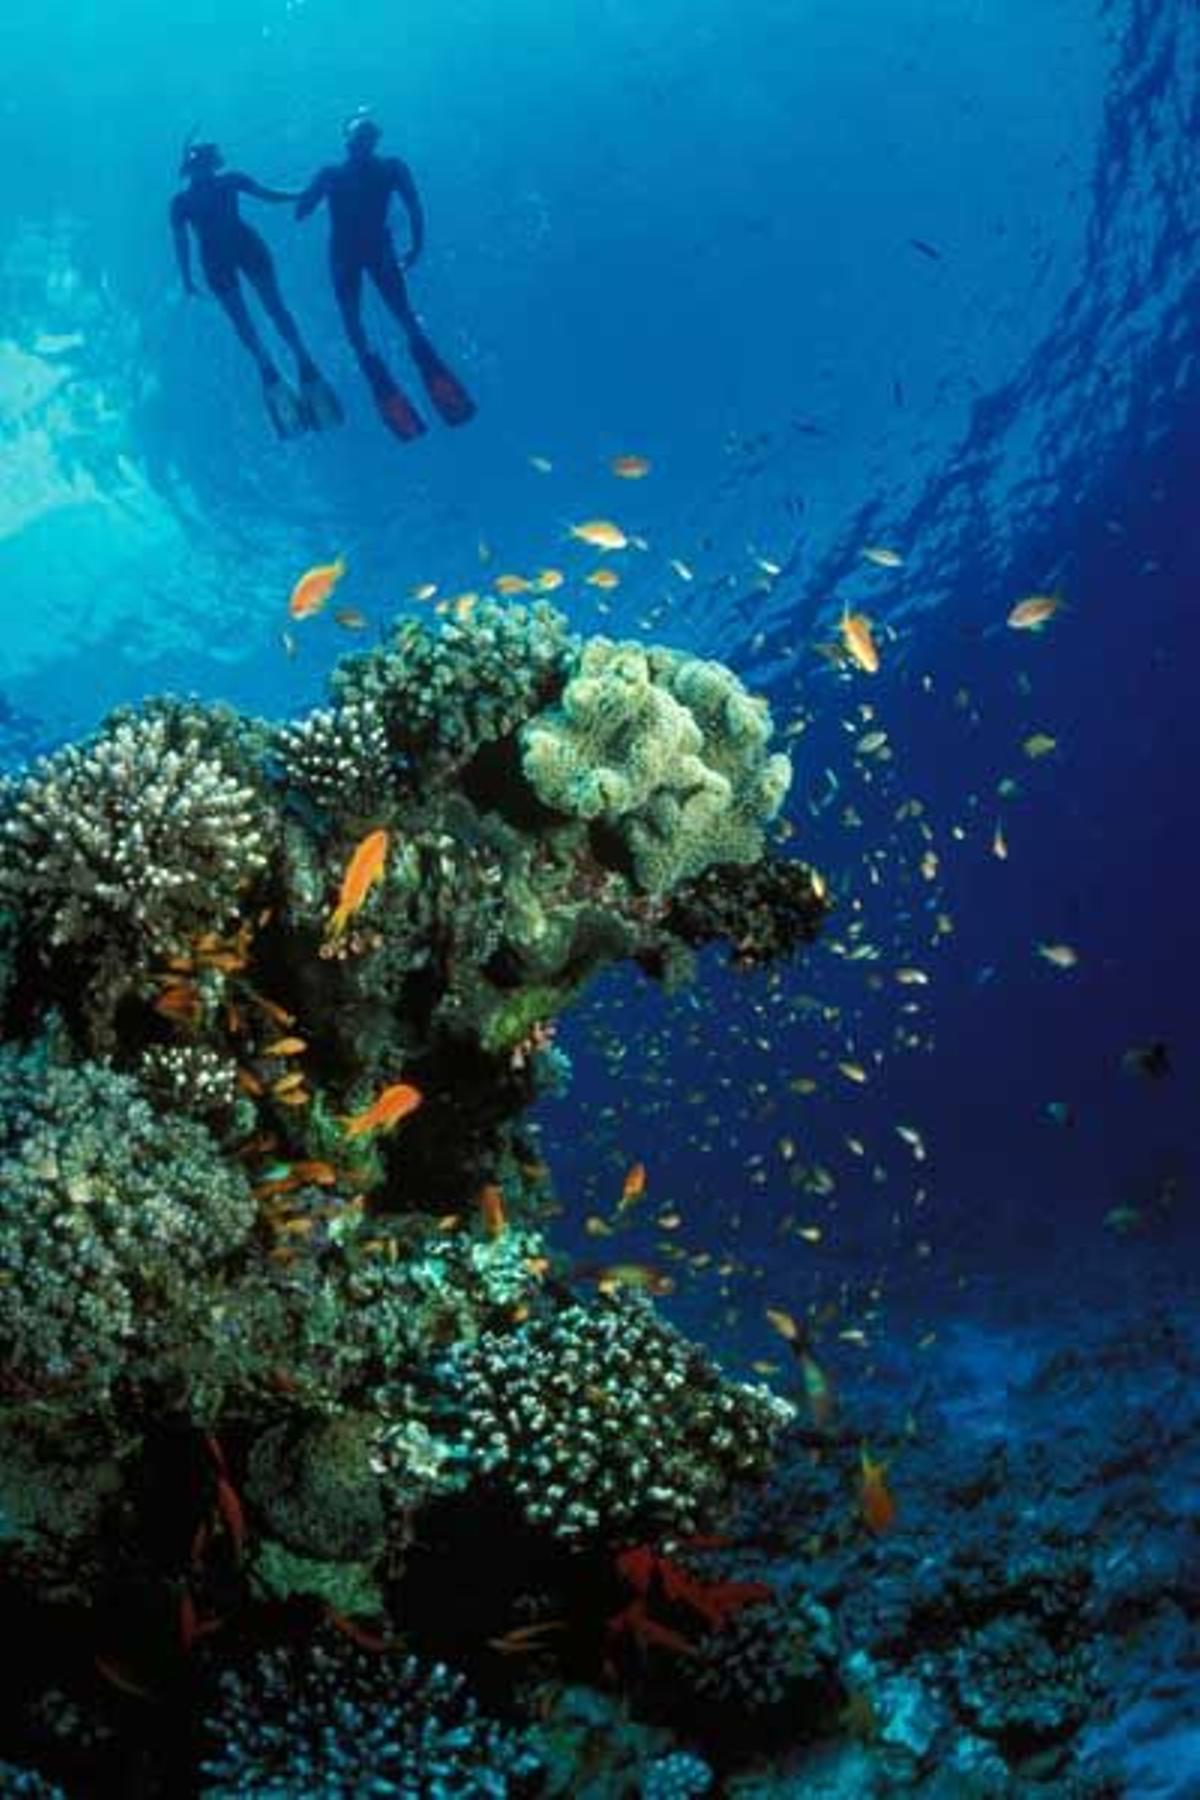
[999, 843]
[1033, 612]
[858, 642]
[924, 248]
[870, 743]
[286, 1046]
[853, 1072]
[314, 588]
[682, 570]
[1039, 743]
[912, 1137]
[288, 644]
[542, 464]
[424, 590]
[634, 1185]
[287, 1084]
[1152, 1060]
[385, 1111]
[1060, 956]
[630, 468]
[603, 578]
[875, 1501]
[818, 1391]
[547, 580]
[1123, 1220]
[364, 869]
[882, 556]
[601, 534]
[350, 619]
[512, 584]
[1059, 1113]
[912, 978]
[638, 1278]
[490, 1201]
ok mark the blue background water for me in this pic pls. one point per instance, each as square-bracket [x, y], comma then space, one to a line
[687, 233]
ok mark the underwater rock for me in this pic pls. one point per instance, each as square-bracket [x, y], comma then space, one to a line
[313, 1486]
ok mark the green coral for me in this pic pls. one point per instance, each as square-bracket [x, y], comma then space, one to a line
[666, 751]
[444, 694]
[113, 1222]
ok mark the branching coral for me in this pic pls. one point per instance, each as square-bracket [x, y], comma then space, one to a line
[667, 751]
[329, 1720]
[607, 1422]
[444, 694]
[147, 833]
[113, 1223]
[339, 758]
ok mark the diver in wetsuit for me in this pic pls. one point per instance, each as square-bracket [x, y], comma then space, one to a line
[229, 249]
[359, 191]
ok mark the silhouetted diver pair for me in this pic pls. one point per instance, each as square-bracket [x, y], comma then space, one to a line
[358, 192]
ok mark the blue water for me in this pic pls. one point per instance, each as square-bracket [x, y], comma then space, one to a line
[696, 234]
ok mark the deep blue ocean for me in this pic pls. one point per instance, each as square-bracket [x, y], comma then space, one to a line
[917, 276]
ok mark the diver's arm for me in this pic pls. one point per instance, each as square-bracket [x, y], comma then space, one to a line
[247, 185]
[404, 185]
[183, 249]
[313, 194]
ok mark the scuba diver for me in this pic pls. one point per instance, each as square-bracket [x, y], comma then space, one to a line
[359, 191]
[229, 249]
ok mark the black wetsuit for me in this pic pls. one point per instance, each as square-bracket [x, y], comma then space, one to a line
[229, 249]
[359, 192]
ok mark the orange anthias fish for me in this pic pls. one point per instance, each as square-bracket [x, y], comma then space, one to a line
[630, 468]
[314, 588]
[491, 1209]
[601, 534]
[634, 1185]
[363, 870]
[385, 1111]
[875, 1501]
[1031, 614]
[858, 642]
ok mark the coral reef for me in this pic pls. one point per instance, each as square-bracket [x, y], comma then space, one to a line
[278, 1313]
[606, 1422]
[334, 1721]
[666, 753]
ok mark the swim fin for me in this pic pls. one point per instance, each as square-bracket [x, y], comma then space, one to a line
[395, 408]
[320, 403]
[449, 396]
[285, 409]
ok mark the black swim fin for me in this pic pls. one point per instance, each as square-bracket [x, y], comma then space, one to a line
[285, 409]
[395, 408]
[451, 399]
[320, 403]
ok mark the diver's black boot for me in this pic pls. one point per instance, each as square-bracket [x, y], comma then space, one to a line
[395, 408]
[451, 399]
[284, 407]
[321, 405]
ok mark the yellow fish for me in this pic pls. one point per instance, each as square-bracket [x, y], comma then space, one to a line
[511, 584]
[1039, 743]
[547, 580]
[630, 468]
[314, 588]
[603, 578]
[601, 534]
[1032, 613]
[1062, 956]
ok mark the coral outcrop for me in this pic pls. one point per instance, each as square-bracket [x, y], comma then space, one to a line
[606, 1422]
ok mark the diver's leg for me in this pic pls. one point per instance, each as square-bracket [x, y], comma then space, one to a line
[395, 409]
[260, 269]
[444, 388]
[229, 295]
